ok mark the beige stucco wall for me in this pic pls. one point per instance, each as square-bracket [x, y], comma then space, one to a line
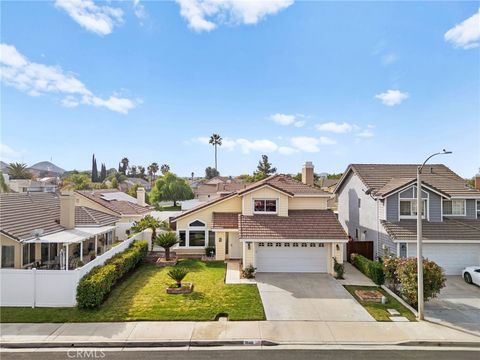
[265, 193]
[233, 204]
[248, 255]
[307, 203]
[6, 241]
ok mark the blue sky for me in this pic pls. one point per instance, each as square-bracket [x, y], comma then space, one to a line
[334, 83]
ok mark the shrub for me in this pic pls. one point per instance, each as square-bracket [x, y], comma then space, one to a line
[210, 251]
[433, 279]
[373, 269]
[338, 268]
[389, 269]
[97, 284]
[166, 240]
[178, 274]
[249, 272]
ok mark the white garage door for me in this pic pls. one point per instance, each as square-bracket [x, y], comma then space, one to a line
[451, 257]
[291, 257]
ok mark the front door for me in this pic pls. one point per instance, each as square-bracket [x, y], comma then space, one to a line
[235, 246]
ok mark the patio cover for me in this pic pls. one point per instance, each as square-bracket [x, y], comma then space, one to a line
[73, 235]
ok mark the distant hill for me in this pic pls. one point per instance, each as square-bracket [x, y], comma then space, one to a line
[46, 166]
[3, 166]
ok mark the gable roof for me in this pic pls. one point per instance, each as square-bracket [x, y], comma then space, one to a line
[386, 178]
[298, 225]
[449, 229]
[21, 213]
[109, 199]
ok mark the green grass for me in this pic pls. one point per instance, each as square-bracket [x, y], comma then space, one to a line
[379, 311]
[142, 296]
[169, 208]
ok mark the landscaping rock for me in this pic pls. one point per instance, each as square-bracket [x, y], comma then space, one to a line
[163, 262]
[393, 312]
[369, 295]
[186, 288]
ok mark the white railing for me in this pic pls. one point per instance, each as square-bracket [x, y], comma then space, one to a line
[50, 288]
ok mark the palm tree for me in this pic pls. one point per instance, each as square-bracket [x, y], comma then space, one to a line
[165, 168]
[18, 171]
[152, 171]
[166, 241]
[215, 140]
[178, 274]
[149, 222]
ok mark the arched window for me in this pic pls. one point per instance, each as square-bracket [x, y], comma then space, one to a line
[197, 223]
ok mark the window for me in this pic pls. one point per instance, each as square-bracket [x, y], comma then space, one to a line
[278, 244]
[295, 244]
[49, 251]
[359, 203]
[8, 256]
[261, 244]
[269, 244]
[286, 244]
[182, 237]
[403, 250]
[408, 208]
[265, 206]
[454, 207]
[196, 238]
[211, 238]
[28, 254]
[196, 223]
[312, 244]
[321, 245]
[304, 244]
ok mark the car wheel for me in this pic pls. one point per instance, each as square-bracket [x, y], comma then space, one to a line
[468, 278]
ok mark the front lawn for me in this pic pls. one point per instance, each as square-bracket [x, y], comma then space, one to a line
[379, 311]
[169, 208]
[142, 296]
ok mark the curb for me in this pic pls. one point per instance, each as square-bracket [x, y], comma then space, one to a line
[207, 343]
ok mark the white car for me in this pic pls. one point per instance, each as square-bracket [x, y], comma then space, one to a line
[471, 275]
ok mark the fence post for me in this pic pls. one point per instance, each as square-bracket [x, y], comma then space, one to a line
[34, 277]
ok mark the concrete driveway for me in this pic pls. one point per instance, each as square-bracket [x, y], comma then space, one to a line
[307, 296]
[458, 304]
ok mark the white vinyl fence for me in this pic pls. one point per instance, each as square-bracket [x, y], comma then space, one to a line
[50, 288]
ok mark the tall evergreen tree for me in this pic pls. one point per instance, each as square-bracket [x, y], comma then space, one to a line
[94, 169]
[103, 173]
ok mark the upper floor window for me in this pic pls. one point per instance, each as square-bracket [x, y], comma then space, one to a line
[454, 207]
[265, 206]
[408, 208]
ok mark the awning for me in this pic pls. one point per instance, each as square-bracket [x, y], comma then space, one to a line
[73, 235]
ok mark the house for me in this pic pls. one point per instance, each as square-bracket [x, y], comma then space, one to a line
[47, 231]
[131, 182]
[377, 202]
[276, 225]
[217, 187]
[28, 185]
[117, 203]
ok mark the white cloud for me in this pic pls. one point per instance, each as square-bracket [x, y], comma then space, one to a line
[392, 97]
[335, 127]
[7, 154]
[310, 144]
[367, 133]
[38, 79]
[284, 119]
[206, 15]
[139, 10]
[287, 150]
[465, 35]
[389, 58]
[263, 145]
[327, 141]
[202, 140]
[98, 19]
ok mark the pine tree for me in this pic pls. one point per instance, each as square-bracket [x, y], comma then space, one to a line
[94, 169]
[103, 173]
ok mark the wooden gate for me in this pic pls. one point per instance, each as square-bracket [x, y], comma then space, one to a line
[364, 248]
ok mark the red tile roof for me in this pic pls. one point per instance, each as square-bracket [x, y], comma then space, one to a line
[225, 220]
[121, 207]
[299, 224]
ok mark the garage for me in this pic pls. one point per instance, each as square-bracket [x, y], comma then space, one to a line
[451, 257]
[291, 257]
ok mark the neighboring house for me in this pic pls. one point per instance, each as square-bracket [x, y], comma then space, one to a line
[327, 185]
[117, 203]
[47, 231]
[131, 182]
[27, 185]
[217, 187]
[276, 225]
[378, 202]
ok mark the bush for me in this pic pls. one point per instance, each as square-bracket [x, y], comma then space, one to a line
[210, 251]
[433, 279]
[338, 268]
[178, 273]
[97, 284]
[373, 269]
[249, 272]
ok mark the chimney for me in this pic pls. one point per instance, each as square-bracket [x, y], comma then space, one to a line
[477, 180]
[67, 210]
[307, 173]
[141, 196]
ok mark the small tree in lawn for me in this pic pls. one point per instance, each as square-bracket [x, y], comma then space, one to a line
[149, 222]
[178, 274]
[166, 241]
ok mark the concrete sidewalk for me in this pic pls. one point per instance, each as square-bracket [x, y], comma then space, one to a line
[249, 332]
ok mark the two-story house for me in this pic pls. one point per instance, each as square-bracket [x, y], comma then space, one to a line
[277, 225]
[377, 202]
